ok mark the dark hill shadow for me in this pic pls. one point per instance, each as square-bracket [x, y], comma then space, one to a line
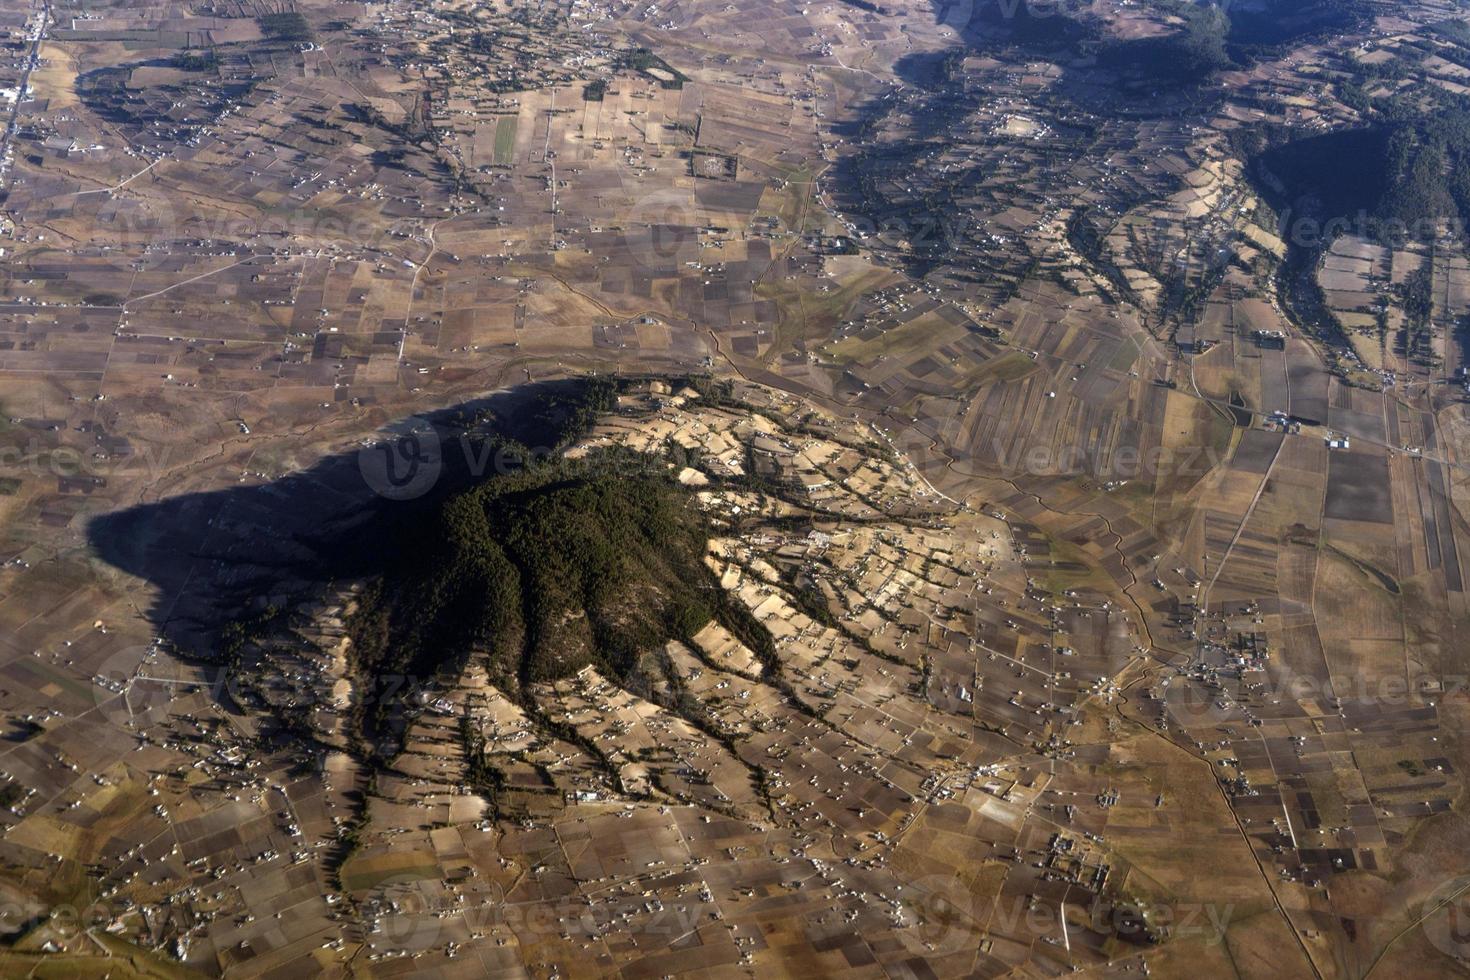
[217, 557]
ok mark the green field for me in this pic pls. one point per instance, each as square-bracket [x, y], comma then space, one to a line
[505, 140]
[362, 874]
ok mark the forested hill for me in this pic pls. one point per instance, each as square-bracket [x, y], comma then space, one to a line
[1394, 179]
[596, 560]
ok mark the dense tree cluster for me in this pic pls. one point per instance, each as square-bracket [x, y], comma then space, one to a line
[564, 564]
[1187, 56]
[1428, 164]
[1395, 179]
[286, 26]
[1270, 29]
[1210, 36]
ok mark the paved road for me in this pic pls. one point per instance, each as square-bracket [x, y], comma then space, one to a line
[25, 78]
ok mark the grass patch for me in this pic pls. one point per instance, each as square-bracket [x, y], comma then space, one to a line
[365, 873]
[1011, 366]
[505, 140]
[1072, 569]
[905, 341]
[1373, 572]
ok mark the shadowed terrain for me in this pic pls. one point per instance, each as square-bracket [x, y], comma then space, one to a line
[216, 557]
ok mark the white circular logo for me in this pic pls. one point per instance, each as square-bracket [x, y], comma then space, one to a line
[941, 911]
[133, 225]
[127, 694]
[404, 915]
[404, 462]
[663, 231]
